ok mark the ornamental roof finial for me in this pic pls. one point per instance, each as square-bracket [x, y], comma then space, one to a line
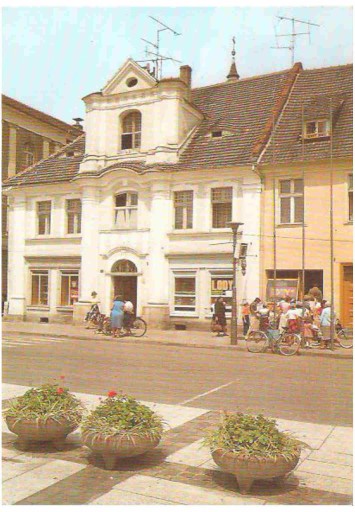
[233, 74]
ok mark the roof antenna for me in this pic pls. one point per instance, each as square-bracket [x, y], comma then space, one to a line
[157, 57]
[293, 35]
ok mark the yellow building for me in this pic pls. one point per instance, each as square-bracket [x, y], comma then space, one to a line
[306, 168]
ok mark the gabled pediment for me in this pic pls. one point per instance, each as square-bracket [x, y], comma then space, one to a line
[130, 77]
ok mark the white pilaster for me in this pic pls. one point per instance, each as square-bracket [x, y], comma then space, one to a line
[16, 265]
[89, 242]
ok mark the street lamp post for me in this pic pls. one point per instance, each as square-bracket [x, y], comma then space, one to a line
[234, 323]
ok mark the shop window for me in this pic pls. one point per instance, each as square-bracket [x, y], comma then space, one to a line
[291, 201]
[126, 206]
[183, 204]
[131, 131]
[350, 196]
[69, 287]
[44, 217]
[185, 294]
[73, 216]
[39, 296]
[222, 286]
[221, 206]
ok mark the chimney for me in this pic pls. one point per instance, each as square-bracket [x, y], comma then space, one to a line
[185, 75]
[77, 122]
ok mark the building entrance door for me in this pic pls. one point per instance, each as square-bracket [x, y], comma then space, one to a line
[347, 296]
[126, 286]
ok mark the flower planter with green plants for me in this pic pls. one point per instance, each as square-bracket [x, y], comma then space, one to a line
[252, 448]
[46, 413]
[121, 427]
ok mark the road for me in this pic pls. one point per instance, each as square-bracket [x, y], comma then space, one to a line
[311, 389]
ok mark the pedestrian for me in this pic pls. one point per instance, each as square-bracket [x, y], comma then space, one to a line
[292, 318]
[325, 325]
[246, 317]
[264, 319]
[117, 316]
[128, 315]
[254, 315]
[220, 312]
[315, 292]
[308, 332]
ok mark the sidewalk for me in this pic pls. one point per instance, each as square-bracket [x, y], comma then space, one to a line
[178, 472]
[197, 339]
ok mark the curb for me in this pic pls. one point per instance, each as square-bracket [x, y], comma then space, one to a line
[325, 354]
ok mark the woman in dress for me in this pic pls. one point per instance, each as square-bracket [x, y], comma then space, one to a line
[117, 316]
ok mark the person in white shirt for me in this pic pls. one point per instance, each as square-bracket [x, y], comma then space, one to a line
[128, 315]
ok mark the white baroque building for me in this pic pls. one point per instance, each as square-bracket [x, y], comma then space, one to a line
[140, 204]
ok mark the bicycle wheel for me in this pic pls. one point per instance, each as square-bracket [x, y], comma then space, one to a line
[139, 327]
[289, 344]
[257, 341]
[106, 327]
[345, 340]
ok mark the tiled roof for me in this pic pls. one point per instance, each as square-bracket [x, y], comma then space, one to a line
[317, 90]
[56, 168]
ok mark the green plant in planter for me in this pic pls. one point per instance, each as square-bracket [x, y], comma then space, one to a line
[252, 448]
[121, 427]
[46, 413]
[252, 436]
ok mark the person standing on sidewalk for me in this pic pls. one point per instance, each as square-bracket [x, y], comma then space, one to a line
[254, 315]
[246, 317]
[117, 316]
[325, 325]
[220, 311]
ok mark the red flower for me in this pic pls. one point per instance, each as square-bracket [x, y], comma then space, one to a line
[111, 394]
[62, 377]
[60, 391]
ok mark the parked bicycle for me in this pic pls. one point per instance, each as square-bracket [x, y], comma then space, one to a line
[136, 328]
[93, 317]
[342, 337]
[285, 343]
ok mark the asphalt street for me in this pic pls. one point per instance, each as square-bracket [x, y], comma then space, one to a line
[317, 390]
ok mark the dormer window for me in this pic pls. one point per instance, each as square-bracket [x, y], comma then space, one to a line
[316, 129]
[217, 133]
[131, 131]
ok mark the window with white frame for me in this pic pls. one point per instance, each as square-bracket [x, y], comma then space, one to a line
[69, 287]
[44, 217]
[183, 204]
[291, 201]
[350, 196]
[222, 286]
[221, 206]
[316, 129]
[73, 208]
[126, 206]
[185, 294]
[29, 154]
[131, 131]
[39, 292]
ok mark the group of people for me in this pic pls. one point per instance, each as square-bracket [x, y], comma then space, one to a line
[306, 317]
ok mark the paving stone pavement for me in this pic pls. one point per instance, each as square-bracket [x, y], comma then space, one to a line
[180, 471]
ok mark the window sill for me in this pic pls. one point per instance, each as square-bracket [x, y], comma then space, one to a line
[65, 308]
[37, 308]
[291, 225]
[184, 315]
[124, 230]
[348, 223]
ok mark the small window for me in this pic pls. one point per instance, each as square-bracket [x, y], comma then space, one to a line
[316, 129]
[131, 131]
[221, 207]
[131, 82]
[216, 134]
[185, 294]
[29, 154]
[350, 196]
[73, 216]
[126, 206]
[39, 295]
[291, 201]
[183, 204]
[44, 217]
[69, 289]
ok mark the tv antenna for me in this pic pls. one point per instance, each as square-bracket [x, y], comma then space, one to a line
[293, 35]
[157, 58]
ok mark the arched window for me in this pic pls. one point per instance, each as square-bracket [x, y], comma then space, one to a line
[131, 131]
[124, 266]
[29, 154]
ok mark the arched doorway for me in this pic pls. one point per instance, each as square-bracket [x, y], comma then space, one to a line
[124, 275]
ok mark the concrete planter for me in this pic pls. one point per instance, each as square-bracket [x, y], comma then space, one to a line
[118, 446]
[33, 431]
[246, 470]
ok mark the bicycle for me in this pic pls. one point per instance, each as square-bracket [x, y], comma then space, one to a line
[285, 343]
[137, 329]
[342, 337]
